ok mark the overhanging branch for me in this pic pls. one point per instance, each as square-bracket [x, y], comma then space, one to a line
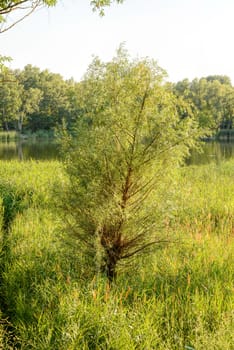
[32, 8]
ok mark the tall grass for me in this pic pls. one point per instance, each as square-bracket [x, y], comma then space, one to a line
[180, 297]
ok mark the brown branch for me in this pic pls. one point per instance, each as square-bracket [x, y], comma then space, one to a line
[81, 237]
[177, 143]
[150, 144]
[11, 7]
[126, 188]
[138, 121]
[38, 3]
[144, 195]
[121, 127]
[128, 184]
[142, 187]
[107, 170]
[144, 247]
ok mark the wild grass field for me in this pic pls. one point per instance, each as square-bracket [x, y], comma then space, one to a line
[179, 297]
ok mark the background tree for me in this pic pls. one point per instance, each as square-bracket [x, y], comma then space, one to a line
[223, 79]
[211, 99]
[228, 109]
[4, 70]
[54, 104]
[128, 139]
[10, 101]
[46, 99]
[30, 99]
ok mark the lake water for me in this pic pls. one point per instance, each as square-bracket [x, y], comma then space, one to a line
[46, 150]
[24, 150]
[212, 152]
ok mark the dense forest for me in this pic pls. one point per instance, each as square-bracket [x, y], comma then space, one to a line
[32, 99]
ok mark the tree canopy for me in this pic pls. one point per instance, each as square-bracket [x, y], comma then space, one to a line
[212, 99]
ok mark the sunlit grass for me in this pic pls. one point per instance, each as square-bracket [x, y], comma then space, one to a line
[180, 297]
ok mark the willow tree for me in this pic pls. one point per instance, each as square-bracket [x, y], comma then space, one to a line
[129, 135]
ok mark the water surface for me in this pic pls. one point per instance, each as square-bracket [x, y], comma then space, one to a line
[212, 152]
[29, 149]
[48, 150]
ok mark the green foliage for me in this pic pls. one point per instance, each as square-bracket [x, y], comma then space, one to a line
[223, 79]
[29, 6]
[212, 98]
[9, 6]
[99, 5]
[128, 138]
[39, 100]
[10, 102]
[3, 67]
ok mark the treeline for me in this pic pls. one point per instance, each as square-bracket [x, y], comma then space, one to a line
[211, 98]
[33, 100]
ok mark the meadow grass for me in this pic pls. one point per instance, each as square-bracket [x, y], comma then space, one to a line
[179, 297]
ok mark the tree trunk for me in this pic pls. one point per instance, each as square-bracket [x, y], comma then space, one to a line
[20, 123]
[111, 270]
[6, 126]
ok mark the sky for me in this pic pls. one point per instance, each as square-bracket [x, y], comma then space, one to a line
[188, 38]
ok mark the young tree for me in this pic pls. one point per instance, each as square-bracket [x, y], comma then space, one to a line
[129, 136]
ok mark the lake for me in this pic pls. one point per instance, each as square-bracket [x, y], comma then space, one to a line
[46, 150]
[212, 152]
[29, 149]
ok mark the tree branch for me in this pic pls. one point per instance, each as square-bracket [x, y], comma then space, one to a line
[12, 6]
[37, 4]
[147, 245]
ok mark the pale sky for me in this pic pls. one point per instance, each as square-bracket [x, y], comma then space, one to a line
[188, 38]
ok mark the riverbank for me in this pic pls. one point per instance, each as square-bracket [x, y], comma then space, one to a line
[7, 136]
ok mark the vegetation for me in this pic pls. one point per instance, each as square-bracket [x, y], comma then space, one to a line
[211, 98]
[129, 134]
[33, 100]
[122, 191]
[24, 8]
[180, 297]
